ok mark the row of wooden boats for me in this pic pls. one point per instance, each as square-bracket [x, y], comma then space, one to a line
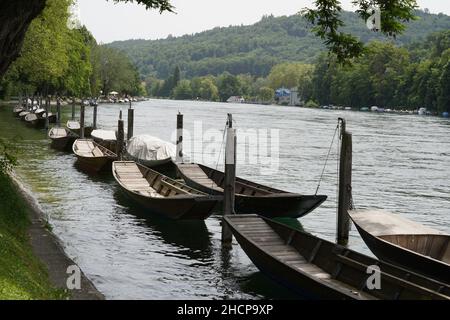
[35, 116]
[93, 155]
[414, 261]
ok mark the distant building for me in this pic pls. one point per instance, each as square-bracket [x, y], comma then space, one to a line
[295, 99]
[236, 99]
[288, 96]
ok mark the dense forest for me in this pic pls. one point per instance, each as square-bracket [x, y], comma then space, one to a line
[408, 77]
[61, 57]
[255, 49]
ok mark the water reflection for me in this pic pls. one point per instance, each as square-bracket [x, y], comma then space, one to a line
[191, 237]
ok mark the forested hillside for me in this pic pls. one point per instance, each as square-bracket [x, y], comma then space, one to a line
[254, 49]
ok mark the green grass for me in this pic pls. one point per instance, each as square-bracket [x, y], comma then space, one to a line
[22, 275]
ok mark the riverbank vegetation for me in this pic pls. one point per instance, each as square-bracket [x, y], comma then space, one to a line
[61, 57]
[389, 76]
[22, 275]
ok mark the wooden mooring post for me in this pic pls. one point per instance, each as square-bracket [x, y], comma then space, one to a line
[345, 185]
[82, 121]
[58, 112]
[73, 109]
[130, 119]
[179, 157]
[94, 118]
[46, 114]
[230, 179]
[120, 136]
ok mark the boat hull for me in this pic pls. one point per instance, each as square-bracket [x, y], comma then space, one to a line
[183, 208]
[399, 256]
[17, 111]
[87, 131]
[37, 123]
[63, 143]
[279, 272]
[281, 204]
[52, 118]
[96, 164]
[317, 268]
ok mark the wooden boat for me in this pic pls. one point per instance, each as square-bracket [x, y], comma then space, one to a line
[52, 117]
[23, 114]
[403, 242]
[160, 194]
[40, 112]
[33, 120]
[150, 151]
[319, 269]
[106, 138]
[92, 156]
[75, 127]
[17, 110]
[250, 197]
[62, 138]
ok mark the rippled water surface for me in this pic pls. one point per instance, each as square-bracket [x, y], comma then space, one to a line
[400, 163]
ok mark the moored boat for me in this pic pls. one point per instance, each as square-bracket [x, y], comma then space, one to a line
[52, 117]
[250, 197]
[150, 151]
[23, 114]
[75, 126]
[106, 138]
[403, 242]
[31, 120]
[17, 110]
[160, 194]
[61, 138]
[319, 269]
[92, 156]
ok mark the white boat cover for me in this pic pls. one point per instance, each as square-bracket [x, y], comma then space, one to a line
[146, 147]
[105, 135]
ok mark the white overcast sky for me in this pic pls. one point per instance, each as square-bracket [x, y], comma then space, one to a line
[109, 22]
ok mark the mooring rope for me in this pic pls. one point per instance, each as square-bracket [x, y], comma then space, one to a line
[326, 159]
[220, 150]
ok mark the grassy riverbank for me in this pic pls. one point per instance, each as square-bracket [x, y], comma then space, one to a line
[22, 275]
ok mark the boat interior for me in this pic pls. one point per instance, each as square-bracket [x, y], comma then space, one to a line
[57, 133]
[89, 149]
[215, 179]
[73, 125]
[148, 182]
[432, 245]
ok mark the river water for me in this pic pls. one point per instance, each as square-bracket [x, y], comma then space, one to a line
[400, 163]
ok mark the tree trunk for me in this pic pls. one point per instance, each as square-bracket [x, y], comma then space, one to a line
[15, 18]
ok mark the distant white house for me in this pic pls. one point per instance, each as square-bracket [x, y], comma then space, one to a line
[288, 96]
[236, 99]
